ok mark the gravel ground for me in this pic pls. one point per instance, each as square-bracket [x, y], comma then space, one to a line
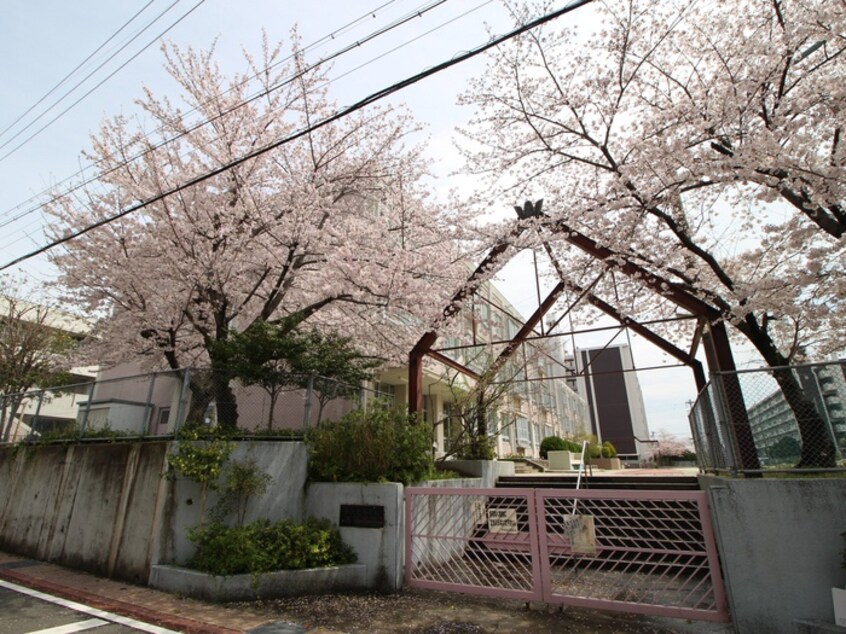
[428, 612]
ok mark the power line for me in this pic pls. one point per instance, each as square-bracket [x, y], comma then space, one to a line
[419, 12]
[100, 83]
[78, 66]
[344, 112]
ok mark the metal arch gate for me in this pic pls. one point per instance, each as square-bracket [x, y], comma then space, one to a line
[647, 552]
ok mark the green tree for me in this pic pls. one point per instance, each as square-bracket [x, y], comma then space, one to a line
[334, 364]
[276, 356]
[261, 355]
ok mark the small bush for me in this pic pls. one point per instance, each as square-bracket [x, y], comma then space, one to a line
[243, 481]
[573, 446]
[377, 445]
[608, 450]
[264, 547]
[552, 443]
[269, 432]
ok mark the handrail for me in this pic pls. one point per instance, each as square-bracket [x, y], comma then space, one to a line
[579, 475]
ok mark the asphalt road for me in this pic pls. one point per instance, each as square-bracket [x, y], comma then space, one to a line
[25, 611]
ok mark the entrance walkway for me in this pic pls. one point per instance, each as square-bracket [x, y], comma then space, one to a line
[417, 612]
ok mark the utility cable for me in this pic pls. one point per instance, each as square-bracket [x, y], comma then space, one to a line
[414, 14]
[100, 83]
[344, 112]
[78, 66]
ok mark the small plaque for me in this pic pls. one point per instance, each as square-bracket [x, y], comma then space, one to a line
[362, 516]
[502, 520]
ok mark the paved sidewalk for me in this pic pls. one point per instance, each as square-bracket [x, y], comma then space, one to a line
[417, 612]
[144, 604]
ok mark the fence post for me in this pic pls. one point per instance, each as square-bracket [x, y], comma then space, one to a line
[4, 436]
[87, 409]
[148, 405]
[37, 411]
[307, 408]
[725, 430]
[180, 410]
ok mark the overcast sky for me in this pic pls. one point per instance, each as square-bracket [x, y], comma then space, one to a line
[41, 42]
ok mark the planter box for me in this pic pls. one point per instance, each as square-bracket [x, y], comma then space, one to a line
[270, 585]
[606, 463]
[563, 460]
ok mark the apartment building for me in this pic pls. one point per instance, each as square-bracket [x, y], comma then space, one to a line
[773, 423]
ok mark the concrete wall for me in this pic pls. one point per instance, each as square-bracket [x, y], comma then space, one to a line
[488, 470]
[381, 549]
[780, 544]
[286, 464]
[105, 508]
[83, 506]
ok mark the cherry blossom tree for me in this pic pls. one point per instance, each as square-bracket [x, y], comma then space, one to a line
[333, 229]
[700, 141]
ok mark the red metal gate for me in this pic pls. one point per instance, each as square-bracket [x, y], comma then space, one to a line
[649, 552]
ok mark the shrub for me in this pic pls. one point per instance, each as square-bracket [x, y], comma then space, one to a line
[199, 456]
[377, 445]
[264, 547]
[608, 450]
[473, 447]
[243, 480]
[552, 443]
[269, 432]
[688, 456]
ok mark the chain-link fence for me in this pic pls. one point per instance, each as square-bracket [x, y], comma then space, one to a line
[160, 403]
[772, 418]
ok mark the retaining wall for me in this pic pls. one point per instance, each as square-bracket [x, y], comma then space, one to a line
[105, 507]
[780, 545]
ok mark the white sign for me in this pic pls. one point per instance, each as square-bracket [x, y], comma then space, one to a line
[582, 533]
[502, 520]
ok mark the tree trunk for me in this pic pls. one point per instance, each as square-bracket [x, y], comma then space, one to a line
[6, 431]
[8, 411]
[201, 397]
[817, 445]
[227, 406]
[274, 394]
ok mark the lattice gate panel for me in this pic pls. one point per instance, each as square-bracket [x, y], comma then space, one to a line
[649, 552]
[474, 541]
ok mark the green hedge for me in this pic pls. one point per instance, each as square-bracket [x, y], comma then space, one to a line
[377, 445]
[264, 547]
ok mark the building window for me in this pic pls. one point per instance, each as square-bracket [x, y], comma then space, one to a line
[522, 431]
[504, 427]
[164, 415]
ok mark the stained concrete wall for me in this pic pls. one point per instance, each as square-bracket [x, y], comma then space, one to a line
[83, 506]
[285, 462]
[105, 508]
[780, 544]
[382, 549]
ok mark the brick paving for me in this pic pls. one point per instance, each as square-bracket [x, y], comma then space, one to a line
[145, 604]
